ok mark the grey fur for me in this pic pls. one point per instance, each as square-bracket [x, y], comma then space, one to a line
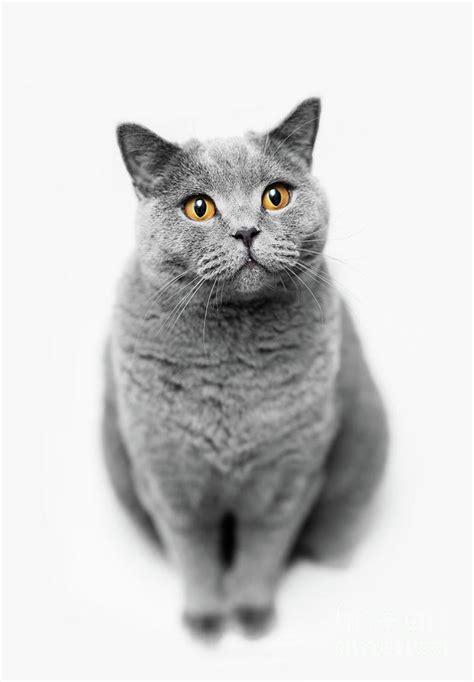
[251, 397]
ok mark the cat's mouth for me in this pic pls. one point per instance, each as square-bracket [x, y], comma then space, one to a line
[251, 277]
[251, 263]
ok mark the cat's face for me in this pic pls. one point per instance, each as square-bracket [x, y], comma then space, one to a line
[242, 216]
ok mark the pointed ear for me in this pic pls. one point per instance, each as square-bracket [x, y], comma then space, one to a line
[145, 155]
[297, 132]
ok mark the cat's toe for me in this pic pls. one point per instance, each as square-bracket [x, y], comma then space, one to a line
[204, 625]
[255, 621]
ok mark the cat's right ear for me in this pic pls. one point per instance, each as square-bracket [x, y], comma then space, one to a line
[145, 155]
[297, 133]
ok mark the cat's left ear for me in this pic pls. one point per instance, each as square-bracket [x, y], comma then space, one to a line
[145, 155]
[297, 133]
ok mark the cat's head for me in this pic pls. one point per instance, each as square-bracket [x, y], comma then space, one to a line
[243, 216]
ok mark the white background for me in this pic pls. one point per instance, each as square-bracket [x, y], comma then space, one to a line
[85, 595]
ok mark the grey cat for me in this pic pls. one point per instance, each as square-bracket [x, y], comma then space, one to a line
[240, 416]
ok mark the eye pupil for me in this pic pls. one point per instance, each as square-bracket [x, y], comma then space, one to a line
[200, 207]
[275, 196]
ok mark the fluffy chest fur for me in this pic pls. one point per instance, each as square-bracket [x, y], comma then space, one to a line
[232, 409]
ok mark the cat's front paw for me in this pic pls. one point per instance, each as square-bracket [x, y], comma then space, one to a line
[206, 626]
[255, 620]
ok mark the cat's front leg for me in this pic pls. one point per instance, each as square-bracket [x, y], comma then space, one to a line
[187, 519]
[263, 547]
[194, 548]
[252, 582]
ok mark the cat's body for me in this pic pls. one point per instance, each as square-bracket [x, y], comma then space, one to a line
[248, 409]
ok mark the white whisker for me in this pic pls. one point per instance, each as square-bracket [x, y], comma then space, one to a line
[187, 299]
[154, 298]
[205, 316]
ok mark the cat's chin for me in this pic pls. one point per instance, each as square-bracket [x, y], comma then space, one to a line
[252, 280]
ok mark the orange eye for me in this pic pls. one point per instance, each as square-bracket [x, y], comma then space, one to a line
[200, 208]
[275, 197]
